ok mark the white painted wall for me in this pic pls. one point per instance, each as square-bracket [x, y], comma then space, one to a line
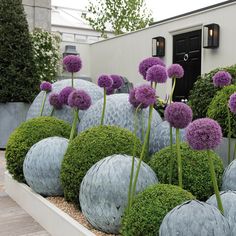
[122, 54]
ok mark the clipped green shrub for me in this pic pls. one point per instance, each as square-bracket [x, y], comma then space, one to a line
[26, 135]
[150, 207]
[217, 110]
[196, 174]
[88, 148]
[203, 91]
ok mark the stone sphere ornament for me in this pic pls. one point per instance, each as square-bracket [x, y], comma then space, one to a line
[229, 177]
[104, 190]
[195, 218]
[42, 166]
[228, 199]
[65, 113]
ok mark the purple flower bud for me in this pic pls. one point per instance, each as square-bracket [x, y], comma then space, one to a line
[79, 99]
[221, 79]
[46, 86]
[72, 63]
[156, 74]
[54, 100]
[232, 103]
[204, 134]
[64, 94]
[117, 81]
[175, 70]
[105, 81]
[178, 114]
[110, 91]
[145, 95]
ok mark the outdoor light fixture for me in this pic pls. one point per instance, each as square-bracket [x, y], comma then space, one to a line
[158, 47]
[70, 50]
[211, 36]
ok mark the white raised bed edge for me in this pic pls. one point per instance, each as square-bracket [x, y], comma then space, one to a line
[51, 218]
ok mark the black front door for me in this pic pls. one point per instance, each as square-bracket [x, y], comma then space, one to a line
[187, 52]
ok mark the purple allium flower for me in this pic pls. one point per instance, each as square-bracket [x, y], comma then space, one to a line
[46, 86]
[110, 91]
[147, 63]
[232, 103]
[175, 70]
[79, 99]
[156, 74]
[222, 78]
[54, 100]
[105, 81]
[64, 94]
[72, 63]
[133, 101]
[117, 81]
[178, 114]
[203, 134]
[146, 95]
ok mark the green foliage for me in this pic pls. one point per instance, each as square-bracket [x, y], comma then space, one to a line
[203, 91]
[88, 148]
[18, 79]
[26, 135]
[47, 55]
[196, 174]
[218, 110]
[122, 15]
[150, 207]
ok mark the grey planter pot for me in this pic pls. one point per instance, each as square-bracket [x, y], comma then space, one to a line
[12, 114]
[222, 150]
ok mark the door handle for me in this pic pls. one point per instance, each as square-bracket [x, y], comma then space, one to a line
[185, 56]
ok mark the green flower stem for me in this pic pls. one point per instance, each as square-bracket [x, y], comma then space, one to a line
[213, 178]
[171, 150]
[234, 151]
[52, 112]
[179, 159]
[72, 80]
[43, 103]
[142, 123]
[74, 125]
[104, 106]
[229, 135]
[172, 90]
[142, 153]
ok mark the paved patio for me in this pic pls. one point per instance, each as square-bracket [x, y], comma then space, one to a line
[14, 221]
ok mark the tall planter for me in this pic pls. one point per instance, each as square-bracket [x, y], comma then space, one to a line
[11, 115]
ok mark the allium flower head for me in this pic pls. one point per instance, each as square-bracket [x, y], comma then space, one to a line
[46, 86]
[64, 94]
[222, 78]
[72, 63]
[79, 99]
[54, 100]
[147, 63]
[156, 74]
[133, 101]
[105, 81]
[178, 114]
[175, 70]
[110, 91]
[203, 134]
[146, 95]
[117, 81]
[232, 103]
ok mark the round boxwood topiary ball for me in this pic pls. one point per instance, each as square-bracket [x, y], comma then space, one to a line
[42, 166]
[150, 207]
[104, 190]
[229, 177]
[196, 174]
[26, 135]
[195, 218]
[217, 109]
[90, 147]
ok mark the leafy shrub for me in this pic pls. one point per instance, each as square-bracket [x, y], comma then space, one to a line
[88, 148]
[196, 174]
[18, 78]
[150, 207]
[26, 135]
[218, 110]
[203, 91]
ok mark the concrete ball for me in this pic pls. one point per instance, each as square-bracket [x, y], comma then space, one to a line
[229, 177]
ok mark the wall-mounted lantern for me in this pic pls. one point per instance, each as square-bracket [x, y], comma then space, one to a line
[158, 47]
[211, 36]
[70, 50]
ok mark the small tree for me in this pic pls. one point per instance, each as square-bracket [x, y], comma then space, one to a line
[18, 80]
[121, 15]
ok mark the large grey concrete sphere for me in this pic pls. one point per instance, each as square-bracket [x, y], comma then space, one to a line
[194, 218]
[42, 166]
[66, 112]
[104, 190]
[229, 204]
[120, 112]
[229, 177]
